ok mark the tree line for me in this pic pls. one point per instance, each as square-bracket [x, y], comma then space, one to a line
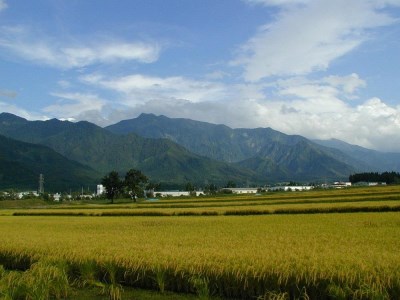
[388, 177]
[134, 184]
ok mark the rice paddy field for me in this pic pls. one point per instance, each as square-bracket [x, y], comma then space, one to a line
[328, 244]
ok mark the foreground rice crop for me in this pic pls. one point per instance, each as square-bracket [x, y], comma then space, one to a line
[317, 255]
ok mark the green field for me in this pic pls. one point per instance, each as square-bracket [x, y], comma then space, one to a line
[341, 244]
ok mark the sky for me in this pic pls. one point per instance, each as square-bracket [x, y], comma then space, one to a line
[318, 68]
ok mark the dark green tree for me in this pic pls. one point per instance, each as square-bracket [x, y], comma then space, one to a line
[190, 187]
[151, 188]
[231, 184]
[211, 189]
[113, 185]
[135, 182]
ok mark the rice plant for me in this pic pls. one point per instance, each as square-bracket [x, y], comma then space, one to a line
[205, 251]
[42, 281]
[160, 278]
[201, 286]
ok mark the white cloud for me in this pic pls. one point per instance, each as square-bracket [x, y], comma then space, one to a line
[23, 113]
[330, 87]
[349, 83]
[64, 84]
[313, 108]
[3, 5]
[305, 36]
[108, 52]
[27, 45]
[372, 124]
[309, 37]
[71, 105]
[140, 88]
[217, 75]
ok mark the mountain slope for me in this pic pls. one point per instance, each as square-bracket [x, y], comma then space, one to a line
[21, 163]
[161, 159]
[219, 142]
[376, 161]
[298, 161]
[193, 135]
[268, 152]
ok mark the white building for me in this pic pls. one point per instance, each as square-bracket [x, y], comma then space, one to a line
[100, 189]
[175, 193]
[30, 193]
[292, 188]
[241, 190]
[57, 197]
[341, 184]
[376, 183]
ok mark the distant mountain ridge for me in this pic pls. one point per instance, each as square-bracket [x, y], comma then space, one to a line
[176, 151]
[264, 150]
[89, 144]
[379, 161]
[230, 145]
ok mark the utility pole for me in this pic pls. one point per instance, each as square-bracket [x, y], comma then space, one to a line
[41, 184]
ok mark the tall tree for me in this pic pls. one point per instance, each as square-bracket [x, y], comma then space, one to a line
[211, 189]
[135, 182]
[189, 187]
[112, 184]
[231, 184]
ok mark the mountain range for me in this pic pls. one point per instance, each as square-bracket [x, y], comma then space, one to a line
[272, 154]
[176, 151]
[21, 164]
[160, 159]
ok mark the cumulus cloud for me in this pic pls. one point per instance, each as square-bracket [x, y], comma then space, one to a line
[316, 109]
[372, 124]
[309, 37]
[25, 44]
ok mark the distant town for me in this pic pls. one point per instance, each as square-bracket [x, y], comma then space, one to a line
[153, 195]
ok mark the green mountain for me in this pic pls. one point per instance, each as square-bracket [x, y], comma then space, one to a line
[21, 164]
[215, 141]
[269, 153]
[279, 162]
[175, 151]
[160, 159]
[375, 160]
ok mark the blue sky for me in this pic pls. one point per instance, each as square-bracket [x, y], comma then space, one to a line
[319, 68]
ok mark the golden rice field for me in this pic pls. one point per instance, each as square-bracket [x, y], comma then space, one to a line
[287, 255]
[348, 200]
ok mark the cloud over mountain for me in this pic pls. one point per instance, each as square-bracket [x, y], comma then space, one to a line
[319, 68]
